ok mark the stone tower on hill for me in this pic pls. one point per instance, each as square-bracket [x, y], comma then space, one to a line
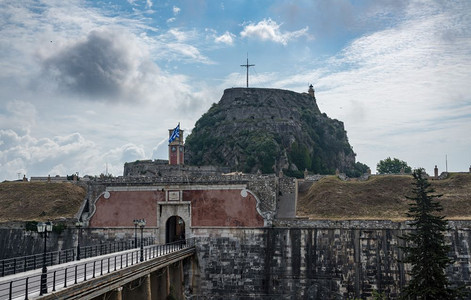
[270, 130]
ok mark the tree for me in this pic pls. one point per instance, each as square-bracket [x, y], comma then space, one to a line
[393, 166]
[425, 246]
[358, 170]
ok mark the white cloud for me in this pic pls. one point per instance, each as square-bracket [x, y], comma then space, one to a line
[176, 10]
[227, 38]
[60, 56]
[269, 30]
[181, 36]
[404, 91]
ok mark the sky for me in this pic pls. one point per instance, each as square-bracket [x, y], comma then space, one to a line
[86, 86]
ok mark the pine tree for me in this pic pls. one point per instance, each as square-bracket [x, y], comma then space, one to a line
[425, 246]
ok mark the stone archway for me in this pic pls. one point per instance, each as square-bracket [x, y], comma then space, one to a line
[174, 229]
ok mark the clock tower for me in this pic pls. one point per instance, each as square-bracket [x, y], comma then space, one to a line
[176, 148]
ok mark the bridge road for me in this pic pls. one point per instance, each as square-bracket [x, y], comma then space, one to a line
[27, 285]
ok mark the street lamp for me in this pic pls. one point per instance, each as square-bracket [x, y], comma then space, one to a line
[141, 224]
[79, 226]
[136, 222]
[44, 228]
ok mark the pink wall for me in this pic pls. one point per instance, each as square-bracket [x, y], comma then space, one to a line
[223, 208]
[208, 208]
[124, 206]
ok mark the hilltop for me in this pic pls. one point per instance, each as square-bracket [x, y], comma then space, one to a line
[268, 130]
[39, 201]
[380, 197]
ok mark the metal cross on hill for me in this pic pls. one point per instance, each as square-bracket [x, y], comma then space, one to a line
[247, 66]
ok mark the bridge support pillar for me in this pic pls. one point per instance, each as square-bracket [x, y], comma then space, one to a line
[159, 284]
[147, 292]
[117, 294]
[175, 279]
[139, 289]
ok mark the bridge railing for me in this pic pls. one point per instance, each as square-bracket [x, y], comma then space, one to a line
[62, 277]
[20, 264]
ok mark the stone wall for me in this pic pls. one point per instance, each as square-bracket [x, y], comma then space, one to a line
[161, 168]
[321, 260]
[15, 241]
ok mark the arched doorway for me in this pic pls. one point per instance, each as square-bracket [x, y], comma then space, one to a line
[174, 229]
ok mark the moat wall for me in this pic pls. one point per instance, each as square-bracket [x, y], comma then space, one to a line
[327, 260]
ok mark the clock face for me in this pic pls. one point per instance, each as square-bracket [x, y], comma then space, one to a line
[181, 149]
[174, 149]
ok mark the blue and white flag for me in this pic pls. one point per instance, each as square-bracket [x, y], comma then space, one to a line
[175, 134]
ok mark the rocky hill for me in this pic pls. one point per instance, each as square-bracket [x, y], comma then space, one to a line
[270, 130]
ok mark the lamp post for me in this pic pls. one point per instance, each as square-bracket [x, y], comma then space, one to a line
[79, 226]
[141, 224]
[44, 228]
[136, 222]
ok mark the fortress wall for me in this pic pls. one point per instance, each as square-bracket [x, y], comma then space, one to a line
[16, 242]
[322, 261]
[231, 262]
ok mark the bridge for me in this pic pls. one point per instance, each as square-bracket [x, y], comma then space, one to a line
[150, 272]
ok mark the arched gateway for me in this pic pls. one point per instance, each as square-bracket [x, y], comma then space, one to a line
[174, 229]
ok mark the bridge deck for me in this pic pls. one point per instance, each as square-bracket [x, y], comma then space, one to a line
[89, 278]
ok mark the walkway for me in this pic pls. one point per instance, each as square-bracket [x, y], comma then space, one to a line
[59, 277]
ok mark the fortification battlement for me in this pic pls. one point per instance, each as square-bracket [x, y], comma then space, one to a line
[161, 168]
[188, 178]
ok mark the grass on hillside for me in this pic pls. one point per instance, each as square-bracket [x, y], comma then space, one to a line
[381, 198]
[39, 201]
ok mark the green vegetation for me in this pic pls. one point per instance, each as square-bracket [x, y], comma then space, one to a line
[393, 166]
[358, 170]
[426, 250]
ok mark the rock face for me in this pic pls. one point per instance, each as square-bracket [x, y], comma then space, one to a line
[269, 130]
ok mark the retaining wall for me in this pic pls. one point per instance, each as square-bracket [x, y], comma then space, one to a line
[339, 260]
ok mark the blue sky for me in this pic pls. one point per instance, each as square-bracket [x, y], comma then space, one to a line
[89, 85]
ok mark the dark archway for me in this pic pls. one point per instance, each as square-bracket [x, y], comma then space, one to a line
[174, 229]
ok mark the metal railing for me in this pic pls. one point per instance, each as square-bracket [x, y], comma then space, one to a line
[16, 265]
[62, 277]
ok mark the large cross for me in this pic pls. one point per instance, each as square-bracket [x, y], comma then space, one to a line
[247, 66]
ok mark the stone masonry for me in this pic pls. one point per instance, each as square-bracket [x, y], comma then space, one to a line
[313, 260]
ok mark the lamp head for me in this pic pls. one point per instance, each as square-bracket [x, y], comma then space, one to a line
[48, 226]
[142, 222]
[41, 227]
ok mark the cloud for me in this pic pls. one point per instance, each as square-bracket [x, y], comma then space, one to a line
[28, 155]
[125, 153]
[227, 38]
[104, 65]
[176, 10]
[60, 155]
[396, 86]
[331, 19]
[269, 30]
